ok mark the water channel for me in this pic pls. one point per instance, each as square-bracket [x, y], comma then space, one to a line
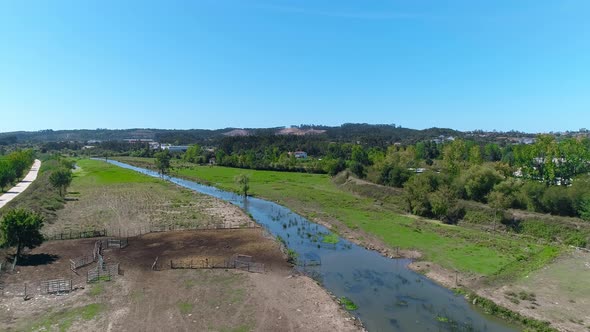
[389, 296]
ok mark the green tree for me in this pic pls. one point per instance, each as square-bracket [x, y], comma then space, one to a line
[21, 228]
[163, 161]
[499, 202]
[358, 169]
[417, 192]
[445, 205]
[193, 154]
[479, 181]
[475, 157]
[243, 181]
[394, 176]
[7, 174]
[454, 156]
[61, 179]
[584, 208]
[359, 155]
[20, 161]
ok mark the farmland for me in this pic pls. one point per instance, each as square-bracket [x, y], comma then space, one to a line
[141, 298]
[103, 196]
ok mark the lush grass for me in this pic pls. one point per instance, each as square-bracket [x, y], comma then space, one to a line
[318, 197]
[93, 172]
[63, 320]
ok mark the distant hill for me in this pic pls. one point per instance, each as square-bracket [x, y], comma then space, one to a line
[375, 135]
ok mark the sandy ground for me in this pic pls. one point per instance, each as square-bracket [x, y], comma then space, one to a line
[21, 186]
[170, 299]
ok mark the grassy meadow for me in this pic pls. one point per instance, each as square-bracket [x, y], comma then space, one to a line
[319, 198]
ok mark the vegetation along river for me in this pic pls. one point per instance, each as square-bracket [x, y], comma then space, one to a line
[389, 296]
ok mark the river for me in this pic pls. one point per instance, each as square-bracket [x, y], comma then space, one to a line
[389, 296]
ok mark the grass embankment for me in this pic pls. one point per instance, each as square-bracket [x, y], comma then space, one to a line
[319, 198]
[103, 196]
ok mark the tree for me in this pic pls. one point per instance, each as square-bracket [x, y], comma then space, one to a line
[7, 174]
[499, 202]
[193, 154]
[454, 156]
[394, 176]
[445, 206]
[584, 208]
[61, 179]
[163, 161]
[358, 169]
[243, 181]
[21, 228]
[479, 181]
[20, 160]
[475, 157]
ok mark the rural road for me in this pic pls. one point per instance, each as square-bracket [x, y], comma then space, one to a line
[21, 186]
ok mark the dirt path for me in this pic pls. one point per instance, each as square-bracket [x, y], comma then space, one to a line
[21, 186]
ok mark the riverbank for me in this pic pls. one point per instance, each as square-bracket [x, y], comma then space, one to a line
[303, 193]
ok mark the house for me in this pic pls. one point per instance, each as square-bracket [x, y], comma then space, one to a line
[299, 154]
[174, 148]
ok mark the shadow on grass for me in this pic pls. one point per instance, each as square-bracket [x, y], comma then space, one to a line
[37, 259]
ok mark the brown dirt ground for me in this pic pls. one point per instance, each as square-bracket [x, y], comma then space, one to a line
[178, 300]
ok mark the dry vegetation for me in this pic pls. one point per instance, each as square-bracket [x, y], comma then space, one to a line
[103, 196]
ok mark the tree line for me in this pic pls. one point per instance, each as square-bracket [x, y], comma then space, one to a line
[13, 167]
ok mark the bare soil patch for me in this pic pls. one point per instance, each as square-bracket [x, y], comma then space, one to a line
[178, 300]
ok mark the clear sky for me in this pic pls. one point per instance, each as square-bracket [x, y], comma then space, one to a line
[485, 64]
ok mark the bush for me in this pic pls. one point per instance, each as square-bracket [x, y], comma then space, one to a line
[556, 200]
[479, 182]
[479, 217]
[394, 176]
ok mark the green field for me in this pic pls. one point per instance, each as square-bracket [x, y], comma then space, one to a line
[319, 198]
[94, 172]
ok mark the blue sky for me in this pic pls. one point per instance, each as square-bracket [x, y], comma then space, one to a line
[502, 64]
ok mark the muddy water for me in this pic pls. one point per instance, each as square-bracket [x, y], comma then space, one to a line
[389, 296]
